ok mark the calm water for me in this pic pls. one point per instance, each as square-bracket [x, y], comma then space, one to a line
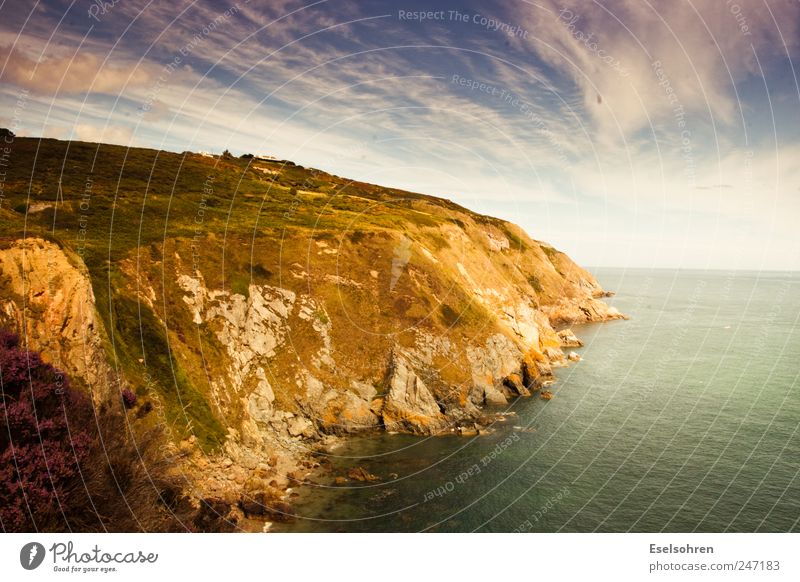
[684, 418]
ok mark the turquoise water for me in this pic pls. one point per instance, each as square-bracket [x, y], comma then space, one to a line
[684, 418]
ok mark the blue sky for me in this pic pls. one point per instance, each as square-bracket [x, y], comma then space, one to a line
[627, 133]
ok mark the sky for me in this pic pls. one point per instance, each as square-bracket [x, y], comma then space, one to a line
[633, 133]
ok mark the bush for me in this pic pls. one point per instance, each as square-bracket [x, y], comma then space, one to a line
[128, 398]
[66, 466]
[42, 442]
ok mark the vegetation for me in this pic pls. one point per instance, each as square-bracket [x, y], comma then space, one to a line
[60, 460]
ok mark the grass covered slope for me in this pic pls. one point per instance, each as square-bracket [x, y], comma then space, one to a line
[271, 299]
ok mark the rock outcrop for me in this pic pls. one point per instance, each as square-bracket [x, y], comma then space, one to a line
[47, 299]
[409, 406]
[569, 339]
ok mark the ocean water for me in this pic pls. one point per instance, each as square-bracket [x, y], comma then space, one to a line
[684, 418]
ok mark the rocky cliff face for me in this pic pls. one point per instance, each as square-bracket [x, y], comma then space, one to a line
[304, 309]
[47, 299]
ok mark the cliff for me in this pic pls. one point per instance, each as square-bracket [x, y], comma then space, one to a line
[260, 310]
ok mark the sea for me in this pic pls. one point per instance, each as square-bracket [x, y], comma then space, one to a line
[684, 418]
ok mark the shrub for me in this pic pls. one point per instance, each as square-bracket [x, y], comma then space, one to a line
[65, 466]
[128, 398]
[42, 442]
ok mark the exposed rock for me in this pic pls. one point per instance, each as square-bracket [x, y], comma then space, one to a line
[574, 357]
[250, 328]
[467, 431]
[409, 405]
[589, 309]
[279, 511]
[361, 474]
[515, 385]
[363, 390]
[493, 396]
[260, 504]
[569, 339]
[259, 407]
[497, 243]
[340, 411]
[47, 298]
[301, 426]
[491, 365]
[555, 356]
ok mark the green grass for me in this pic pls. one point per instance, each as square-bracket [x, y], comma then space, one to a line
[138, 335]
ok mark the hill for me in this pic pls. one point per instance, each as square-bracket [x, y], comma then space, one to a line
[260, 310]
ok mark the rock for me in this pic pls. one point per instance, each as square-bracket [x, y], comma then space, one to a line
[556, 357]
[213, 516]
[259, 404]
[376, 406]
[341, 480]
[515, 385]
[239, 475]
[267, 506]
[295, 477]
[494, 396]
[363, 390]
[279, 511]
[409, 405]
[568, 339]
[571, 311]
[490, 366]
[574, 357]
[497, 242]
[546, 395]
[47, 299]
[349, 413]
[467, 431]
[300, 426]
[361, 474]
[474, 317]
[250, 328]
[338, 411]
[254, 505]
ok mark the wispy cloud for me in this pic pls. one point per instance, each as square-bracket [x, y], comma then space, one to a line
[615, 129]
